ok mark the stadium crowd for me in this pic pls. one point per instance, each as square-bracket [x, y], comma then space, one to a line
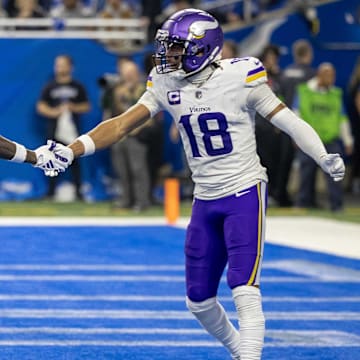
[154, 12]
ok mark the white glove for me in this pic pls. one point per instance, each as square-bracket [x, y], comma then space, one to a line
[64, 157]
[334, 165]
[45, 159]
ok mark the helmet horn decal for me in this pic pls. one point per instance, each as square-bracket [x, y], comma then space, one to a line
[198, 28]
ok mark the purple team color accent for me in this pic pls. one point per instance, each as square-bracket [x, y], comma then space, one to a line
[200, 49]
[174, 97]
[255, 71]
[221, 231]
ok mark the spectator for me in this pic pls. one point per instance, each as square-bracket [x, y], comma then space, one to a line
[129, 156]
[150, 11]
[229, 50]
[155, 140]
[28, 9]
[116, 9]
[25, 9]
[62, 102]
[3, 12]
[298, 72]
[354, 114]
[267, 135]
[320, 104]
[108, 82]
[71, 9]
[172, 8]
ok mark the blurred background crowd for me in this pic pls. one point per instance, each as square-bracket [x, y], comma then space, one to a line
[60, 76]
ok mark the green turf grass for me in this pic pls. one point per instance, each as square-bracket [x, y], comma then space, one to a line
[103, 209]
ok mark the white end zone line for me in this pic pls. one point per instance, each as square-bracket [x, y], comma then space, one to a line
[81, 221]
[314, 234]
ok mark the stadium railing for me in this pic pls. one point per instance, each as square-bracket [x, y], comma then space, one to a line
[74, 28]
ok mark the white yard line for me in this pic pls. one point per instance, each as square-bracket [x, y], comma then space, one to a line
[162, 279]
[316, 234]
[279, 338]
[168, 314]
[175, 298]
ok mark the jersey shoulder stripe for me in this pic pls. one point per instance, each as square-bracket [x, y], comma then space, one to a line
[255, 74]
[149, 82]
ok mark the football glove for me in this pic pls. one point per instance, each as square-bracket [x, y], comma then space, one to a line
[64, 157]
[333, 165]
[45, 159]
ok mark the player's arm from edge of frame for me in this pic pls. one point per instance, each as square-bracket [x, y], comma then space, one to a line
[110, 131]
[42, 157]
[263, 100]
[10, 150]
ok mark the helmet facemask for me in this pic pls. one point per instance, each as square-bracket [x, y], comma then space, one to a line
[169, 53]
[190, 40]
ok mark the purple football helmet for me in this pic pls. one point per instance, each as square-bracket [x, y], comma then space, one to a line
[197, 37]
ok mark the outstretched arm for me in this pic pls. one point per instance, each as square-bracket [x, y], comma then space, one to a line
[264, 101]
[42, 157]
[110, 131]
[103, 135]
[13, 151]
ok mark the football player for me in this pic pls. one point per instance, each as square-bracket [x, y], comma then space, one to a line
[213, 103]
[41, 157]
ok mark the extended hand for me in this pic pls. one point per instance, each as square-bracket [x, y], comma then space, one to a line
[53, 158]
[334, 165]
[64, 157]
[45, 159]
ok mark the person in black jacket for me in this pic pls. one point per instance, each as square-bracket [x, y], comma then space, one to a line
[296, 73]
[62, 102]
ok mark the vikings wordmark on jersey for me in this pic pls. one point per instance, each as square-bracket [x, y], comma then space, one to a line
[215, 124]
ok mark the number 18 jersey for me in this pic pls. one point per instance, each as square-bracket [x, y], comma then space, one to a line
[215, 123]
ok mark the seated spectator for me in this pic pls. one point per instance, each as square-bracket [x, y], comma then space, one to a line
[25, 9]
[172, 8]
[28, 9]
[71, 9]
[149, 16]
[117, 9]
[3, 12]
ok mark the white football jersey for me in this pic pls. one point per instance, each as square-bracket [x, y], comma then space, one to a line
[215, 123]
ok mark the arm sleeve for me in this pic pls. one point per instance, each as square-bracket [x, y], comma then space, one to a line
[302, 133]
[264, 101]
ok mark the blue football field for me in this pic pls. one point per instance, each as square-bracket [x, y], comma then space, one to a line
[117, 292]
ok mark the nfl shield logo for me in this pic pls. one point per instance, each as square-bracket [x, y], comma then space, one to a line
[198, 94]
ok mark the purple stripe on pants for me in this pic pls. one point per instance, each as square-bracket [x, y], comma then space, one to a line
[221, 231]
